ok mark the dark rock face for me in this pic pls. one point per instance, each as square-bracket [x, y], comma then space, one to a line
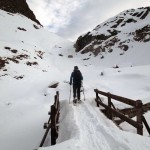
[83, 41]
[18, 6]
[2, 63]
[142, 35]
[114, 33]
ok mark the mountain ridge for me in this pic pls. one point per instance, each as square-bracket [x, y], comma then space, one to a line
[18, 6]
[105, 36]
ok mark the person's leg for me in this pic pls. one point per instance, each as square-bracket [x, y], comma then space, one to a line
[74, 91]
[78, 92]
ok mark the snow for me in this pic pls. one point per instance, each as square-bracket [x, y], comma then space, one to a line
[24, 103]
[89, 129]
[123, 42]
[131, 27]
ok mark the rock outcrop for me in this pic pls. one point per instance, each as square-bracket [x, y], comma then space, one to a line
[117, 32]
[18, 6]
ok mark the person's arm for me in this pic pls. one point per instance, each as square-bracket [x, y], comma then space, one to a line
[71, 77]
[81, 77]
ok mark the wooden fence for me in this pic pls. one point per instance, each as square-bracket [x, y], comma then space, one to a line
[52, 122]
[112, 111]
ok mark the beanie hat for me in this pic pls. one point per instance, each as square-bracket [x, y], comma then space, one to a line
[75, 67]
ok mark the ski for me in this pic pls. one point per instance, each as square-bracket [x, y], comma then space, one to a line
[76, 102]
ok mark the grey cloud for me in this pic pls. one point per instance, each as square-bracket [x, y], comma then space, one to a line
[86, 18]
[70, 19]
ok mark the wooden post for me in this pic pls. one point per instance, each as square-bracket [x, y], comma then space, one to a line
[109, 105]
[57, 93]
[52, 121]
[57, 112]
[45, 135]
[58, 106]
[45, 125]
[55, 101]
[53, 125]
[50, 115]
[146, 124]
[121, 116]
[97, 99]
[139, 116]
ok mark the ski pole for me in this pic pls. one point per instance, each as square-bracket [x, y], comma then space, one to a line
[83, 92]
[70, 94]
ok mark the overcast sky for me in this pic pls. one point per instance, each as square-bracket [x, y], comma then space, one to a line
[71, 18]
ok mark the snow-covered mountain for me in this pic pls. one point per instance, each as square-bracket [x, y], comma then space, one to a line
[122, 34]
[32, 58]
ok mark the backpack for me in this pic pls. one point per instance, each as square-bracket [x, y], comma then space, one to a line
[77, 76]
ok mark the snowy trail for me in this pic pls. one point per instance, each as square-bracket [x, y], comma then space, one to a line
[84, 127]
[94, 135]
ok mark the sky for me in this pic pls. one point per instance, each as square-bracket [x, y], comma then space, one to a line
[71, 18]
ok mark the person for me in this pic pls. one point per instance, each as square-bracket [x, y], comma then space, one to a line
[76, 77]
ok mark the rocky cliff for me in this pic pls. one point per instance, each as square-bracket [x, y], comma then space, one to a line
[18, 6]
[119, 32]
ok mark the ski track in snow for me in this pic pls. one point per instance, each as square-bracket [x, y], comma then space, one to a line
[93, 132]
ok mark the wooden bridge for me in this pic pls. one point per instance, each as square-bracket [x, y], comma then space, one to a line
[110, 111]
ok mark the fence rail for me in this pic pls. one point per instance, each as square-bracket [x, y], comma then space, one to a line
[111, 110]
[52, 122]
[117, 98]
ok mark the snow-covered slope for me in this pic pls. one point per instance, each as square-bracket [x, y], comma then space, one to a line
[125, 37]
[31, 59]
[25, 44]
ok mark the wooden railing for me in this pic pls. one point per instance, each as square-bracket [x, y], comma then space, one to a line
[111, 110]
[52, 122]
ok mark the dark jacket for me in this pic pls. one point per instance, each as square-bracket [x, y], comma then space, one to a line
[77, 77]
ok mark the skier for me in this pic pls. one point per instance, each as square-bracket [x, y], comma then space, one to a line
[76, 77]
